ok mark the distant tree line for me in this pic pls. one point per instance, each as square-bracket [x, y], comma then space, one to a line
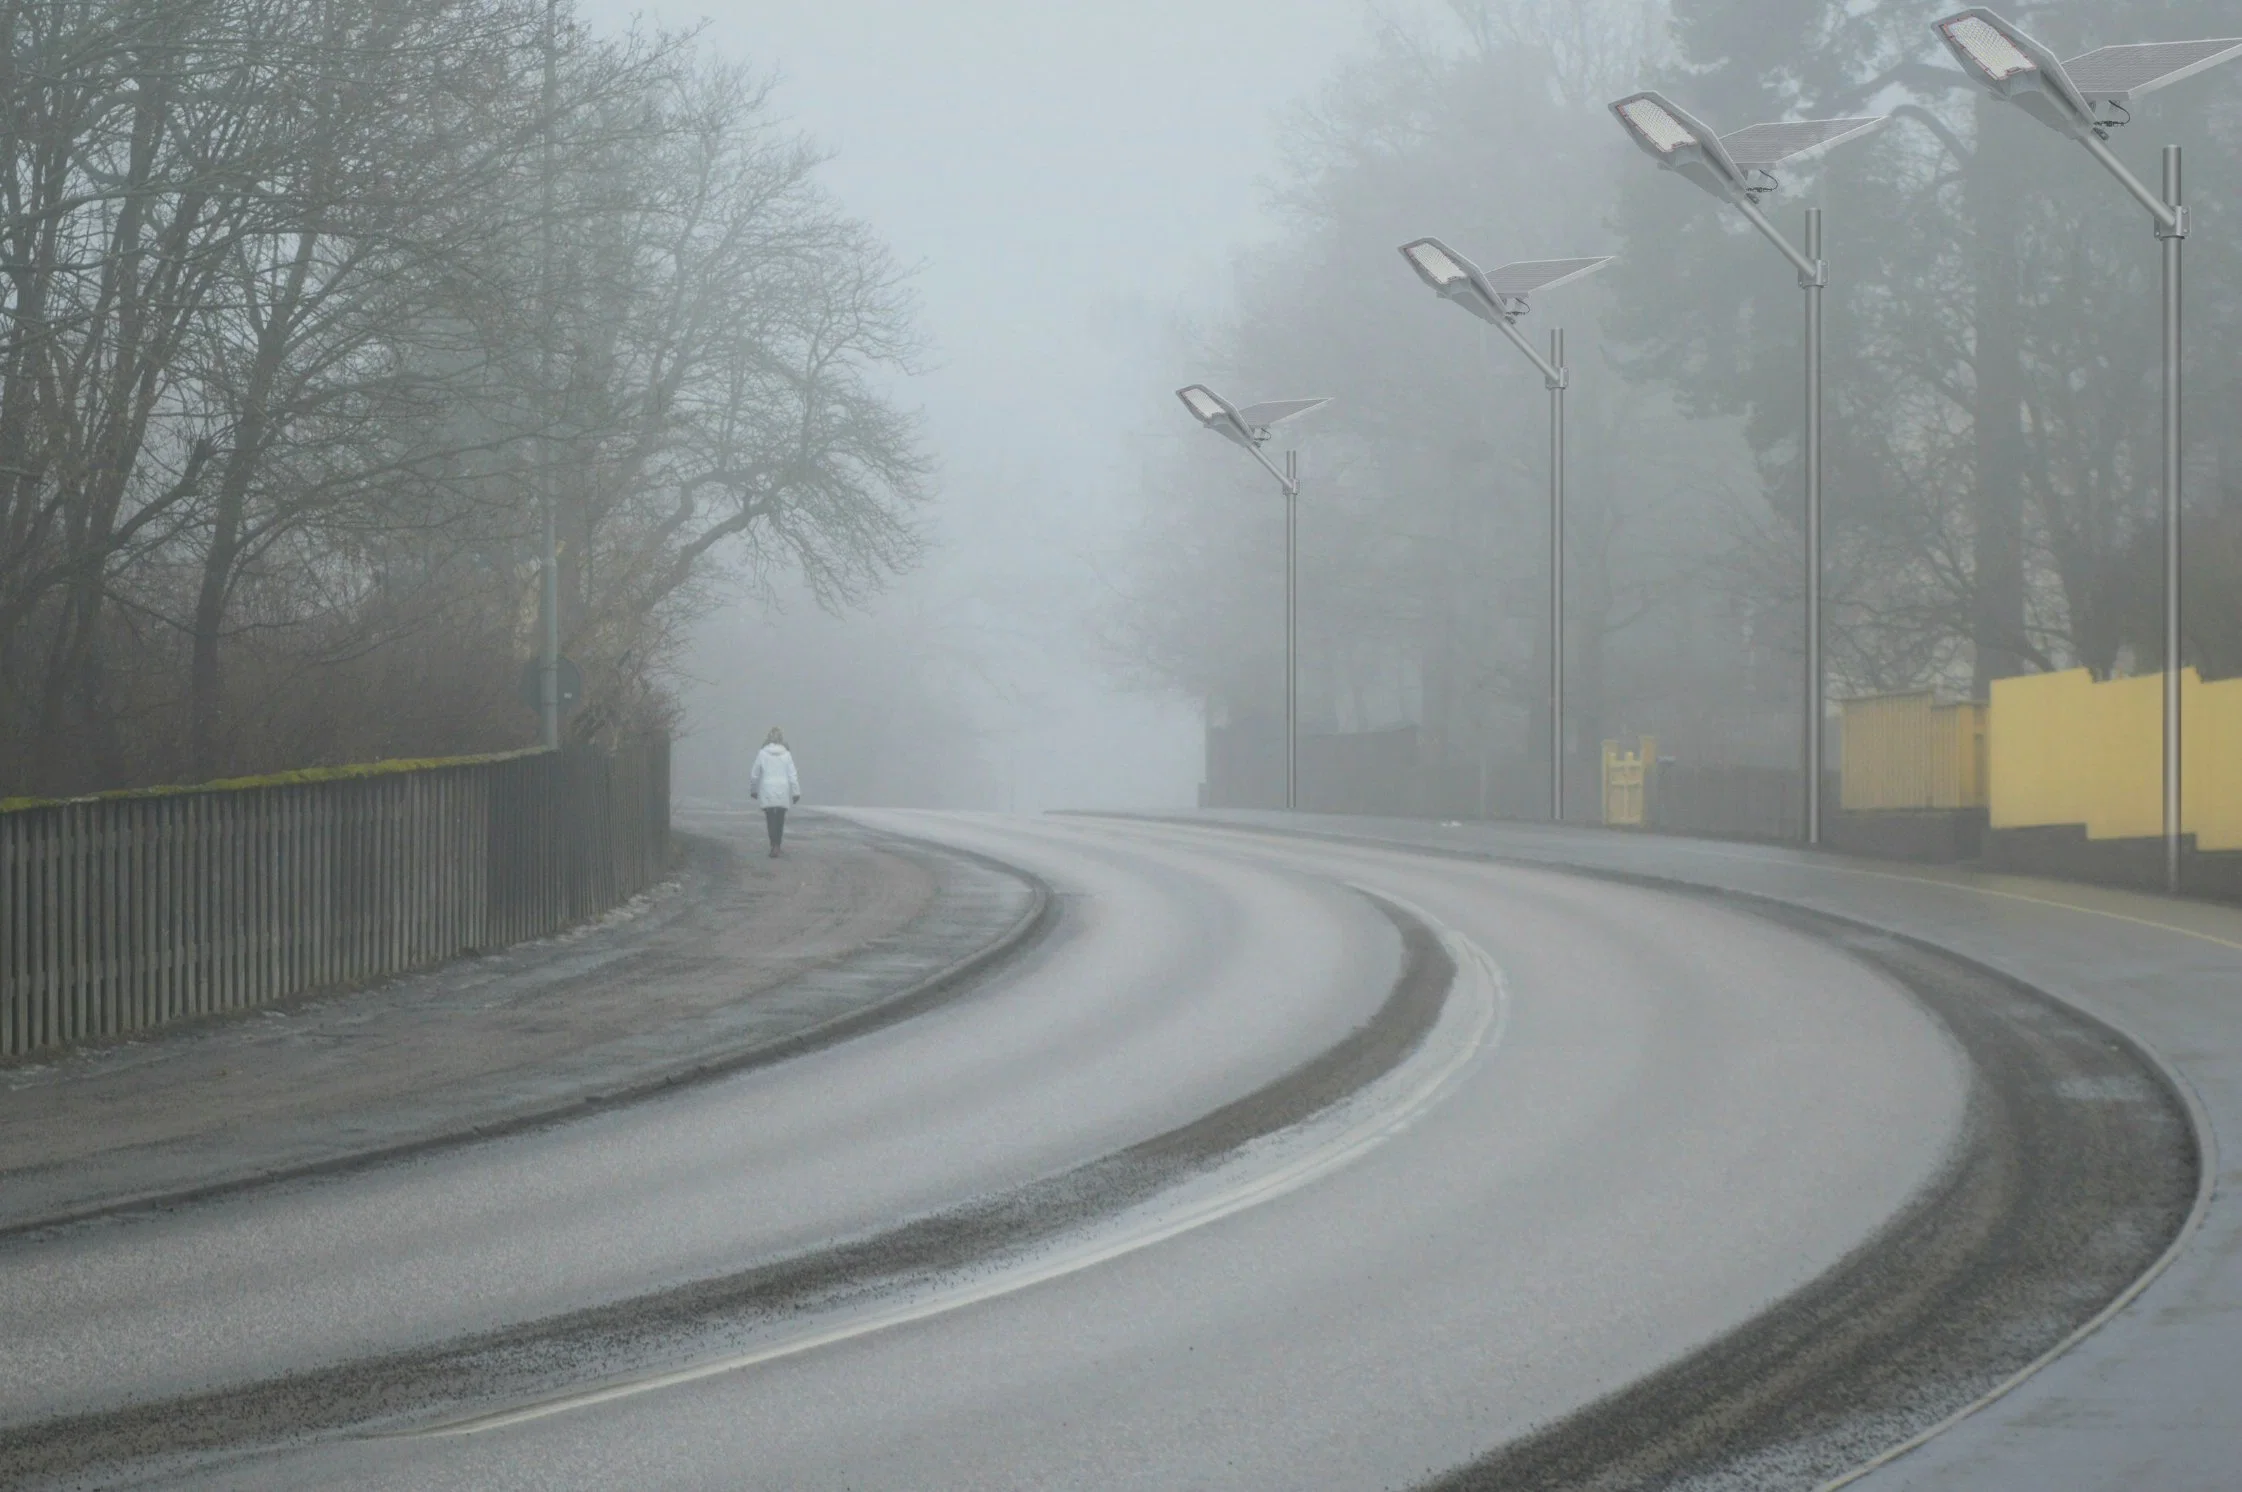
[1992, 472]
[312, 308]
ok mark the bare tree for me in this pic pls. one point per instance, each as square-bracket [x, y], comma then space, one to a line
[284, 374]
[719, 413]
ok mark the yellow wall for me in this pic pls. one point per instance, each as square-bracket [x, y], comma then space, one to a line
[2063, 749]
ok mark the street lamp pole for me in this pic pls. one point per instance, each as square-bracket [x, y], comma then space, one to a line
[2084, 98]
[548, 642]
[1291, 630]
[1556, 378]
[1816, 676]
[2172, 238]
[1498, 297]
[1250, 427]
[1735, 168]
[1813, 278]
[1555, 383]
[548, 588]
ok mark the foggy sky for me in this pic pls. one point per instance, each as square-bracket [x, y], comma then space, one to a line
[1076, 181]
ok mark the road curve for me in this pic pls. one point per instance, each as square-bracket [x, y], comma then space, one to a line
[1691, 1113]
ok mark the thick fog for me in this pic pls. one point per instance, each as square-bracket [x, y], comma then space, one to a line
[839, 343]
[1106, 205]
[1072, 184]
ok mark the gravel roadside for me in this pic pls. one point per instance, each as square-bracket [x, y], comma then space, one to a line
[739, 958]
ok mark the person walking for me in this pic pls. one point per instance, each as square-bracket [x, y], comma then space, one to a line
[774, 783]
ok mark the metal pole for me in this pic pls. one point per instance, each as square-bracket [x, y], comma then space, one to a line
[2173, 237]
[1291, 630]
[548, 657]
[1556, 386]
[1814, 284]
[548, 652]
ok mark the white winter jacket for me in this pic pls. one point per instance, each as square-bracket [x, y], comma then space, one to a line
[772, 781]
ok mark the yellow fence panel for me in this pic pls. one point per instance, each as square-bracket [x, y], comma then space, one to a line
[1626, 782]
[2064, 749]
[1903, 751]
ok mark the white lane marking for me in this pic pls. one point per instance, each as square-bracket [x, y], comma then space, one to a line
[1473, 1022]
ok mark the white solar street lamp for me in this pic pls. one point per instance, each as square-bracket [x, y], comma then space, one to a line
[1251, 427]
[1737, 168]
[1498, 297]
[2084, 99]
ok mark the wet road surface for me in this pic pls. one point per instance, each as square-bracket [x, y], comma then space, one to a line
[1639, 1120]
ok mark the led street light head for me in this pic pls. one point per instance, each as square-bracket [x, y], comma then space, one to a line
[1977, 42]
[1654, 124]
[1436, 264]
[1205, 405]
[2087, 94]
[1453, 277]
[1216, 413]
[1247, 427]
[1682, 144]
[1732, 167]
[2006, 62]
[1491, 295]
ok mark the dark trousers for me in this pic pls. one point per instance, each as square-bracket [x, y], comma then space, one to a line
[774, 819]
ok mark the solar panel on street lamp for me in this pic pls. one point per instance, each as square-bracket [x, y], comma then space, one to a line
[1758, 146]
[2084, 99]
[1266, 417]
[1249, 427]
[1736, 168]
[1499, 297]
[1529, 276]
[2121, 74]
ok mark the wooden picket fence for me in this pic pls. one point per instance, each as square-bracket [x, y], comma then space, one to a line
[122, 913]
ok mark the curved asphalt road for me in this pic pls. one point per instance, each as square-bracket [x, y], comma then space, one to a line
[1685, 1114]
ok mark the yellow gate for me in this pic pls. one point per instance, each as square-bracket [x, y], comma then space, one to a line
[1909, 751]
[1627, 782]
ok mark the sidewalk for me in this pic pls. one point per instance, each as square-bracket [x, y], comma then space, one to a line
[2150, 1399]
[736, 956]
